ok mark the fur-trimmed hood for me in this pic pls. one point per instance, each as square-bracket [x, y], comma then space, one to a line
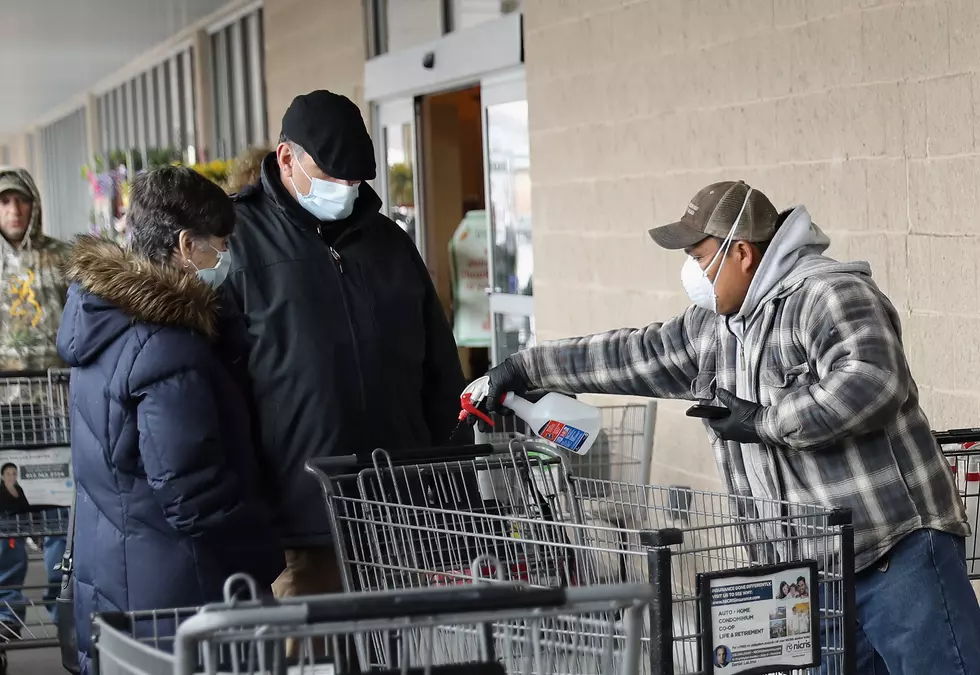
[141, 289]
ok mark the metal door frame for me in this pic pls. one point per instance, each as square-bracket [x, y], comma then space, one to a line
[496, 89]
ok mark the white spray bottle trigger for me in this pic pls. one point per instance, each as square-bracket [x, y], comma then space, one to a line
[561, 420]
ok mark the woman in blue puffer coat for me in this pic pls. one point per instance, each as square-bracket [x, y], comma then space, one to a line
[168, 501]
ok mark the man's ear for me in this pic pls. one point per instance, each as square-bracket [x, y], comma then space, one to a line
[284, 155]
[749, 256]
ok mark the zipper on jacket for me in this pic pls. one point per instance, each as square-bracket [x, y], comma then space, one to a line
[741, 344]
[350, 321]
[780, 478]
[337, 259]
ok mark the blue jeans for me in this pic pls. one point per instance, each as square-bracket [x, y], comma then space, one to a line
[916, 610]
[13, 571]
[54, 549]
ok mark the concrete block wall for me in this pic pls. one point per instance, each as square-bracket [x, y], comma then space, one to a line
[312, 45]
[864, 110]
[17, 149]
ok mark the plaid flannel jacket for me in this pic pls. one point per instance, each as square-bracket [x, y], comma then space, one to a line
[842, 424]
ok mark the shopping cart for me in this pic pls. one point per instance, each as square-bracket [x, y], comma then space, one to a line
[466, 503]
[622, 451]
[518, 502]
[491, 629]
[962, 449]
[34, 440]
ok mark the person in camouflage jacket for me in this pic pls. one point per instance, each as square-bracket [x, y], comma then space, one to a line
[817, 406]
[32, 284]
[32, 298]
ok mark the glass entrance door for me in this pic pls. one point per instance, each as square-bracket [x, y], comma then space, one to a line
[507, 156]
[398, 166]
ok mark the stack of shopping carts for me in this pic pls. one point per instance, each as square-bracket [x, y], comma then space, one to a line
[962, 450]
[483, 629]
[415, 520]
[501, 558]
[34, 440]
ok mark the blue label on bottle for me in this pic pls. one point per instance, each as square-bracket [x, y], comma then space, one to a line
[562, 435]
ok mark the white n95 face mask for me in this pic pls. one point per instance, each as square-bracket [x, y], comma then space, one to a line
[699, 288]
[326, 200]
[215, 276]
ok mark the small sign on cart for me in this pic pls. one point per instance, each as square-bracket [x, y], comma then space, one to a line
[760, 619]
[44, 474]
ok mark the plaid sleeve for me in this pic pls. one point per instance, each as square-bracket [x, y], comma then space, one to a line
[854, 339]
[659, 360]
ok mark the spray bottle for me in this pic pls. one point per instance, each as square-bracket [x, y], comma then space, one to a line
[563, 421]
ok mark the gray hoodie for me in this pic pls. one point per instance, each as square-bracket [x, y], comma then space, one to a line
[794, 255]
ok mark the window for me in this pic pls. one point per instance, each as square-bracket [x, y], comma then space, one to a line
[238, 61]
[65, 199]
[394, 25]
[150, 119]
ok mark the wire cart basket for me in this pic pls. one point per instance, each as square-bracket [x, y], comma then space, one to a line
[623, 450]
[413, 520]
[34, 437]
[491, 629]
[962, 450]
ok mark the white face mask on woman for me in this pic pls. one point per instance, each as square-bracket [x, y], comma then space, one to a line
[213, 276]
[699, 288]
[326, 200]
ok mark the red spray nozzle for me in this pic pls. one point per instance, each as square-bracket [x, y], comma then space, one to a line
[466, 403]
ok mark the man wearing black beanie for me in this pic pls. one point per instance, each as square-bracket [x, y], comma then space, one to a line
[350, 349]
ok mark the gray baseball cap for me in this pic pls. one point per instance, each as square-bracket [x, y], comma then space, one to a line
[712, 212]
[11, 181]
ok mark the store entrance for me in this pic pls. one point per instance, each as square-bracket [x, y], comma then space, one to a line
[457, 178]
[455, 231]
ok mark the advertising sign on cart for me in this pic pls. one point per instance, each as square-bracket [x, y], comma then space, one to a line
[761, 619]
[44, 474]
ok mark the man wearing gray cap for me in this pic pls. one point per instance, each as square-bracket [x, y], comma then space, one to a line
[818, 406]
[350, 348]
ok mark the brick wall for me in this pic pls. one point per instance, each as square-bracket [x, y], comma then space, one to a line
[864, 110]
[312, 45]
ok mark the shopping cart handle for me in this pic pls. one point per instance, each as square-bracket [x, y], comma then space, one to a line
[22, 374]
[432, 602]
[347, 463]
[957, 435]
[33, 508]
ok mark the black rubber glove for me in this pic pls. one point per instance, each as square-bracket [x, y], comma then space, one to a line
[506, 377]
[740, 426]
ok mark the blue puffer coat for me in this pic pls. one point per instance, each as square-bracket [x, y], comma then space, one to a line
[166, 474]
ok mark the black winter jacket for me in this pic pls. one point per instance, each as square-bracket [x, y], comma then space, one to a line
[350, 349]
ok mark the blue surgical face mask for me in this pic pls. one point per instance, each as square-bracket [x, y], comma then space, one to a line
[326, 200]
[214, 276]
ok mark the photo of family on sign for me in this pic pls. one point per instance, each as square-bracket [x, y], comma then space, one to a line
[797, 589]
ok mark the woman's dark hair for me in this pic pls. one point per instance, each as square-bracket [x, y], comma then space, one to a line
[162, 202]
[8, 465]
